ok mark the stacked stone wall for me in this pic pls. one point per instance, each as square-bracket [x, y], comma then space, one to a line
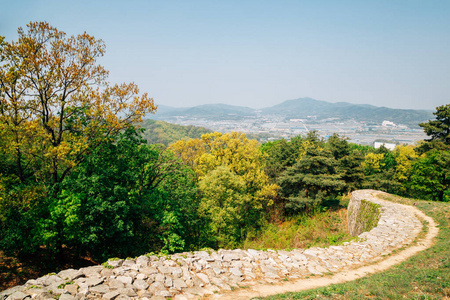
[362, 215]
[203, 273]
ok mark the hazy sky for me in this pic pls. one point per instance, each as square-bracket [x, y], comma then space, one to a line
[393, 53]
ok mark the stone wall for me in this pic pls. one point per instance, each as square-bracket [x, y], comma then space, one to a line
[202, 273]
[362, 215]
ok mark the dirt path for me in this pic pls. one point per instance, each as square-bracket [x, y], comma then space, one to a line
[343, 276]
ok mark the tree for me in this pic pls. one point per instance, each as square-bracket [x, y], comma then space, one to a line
[338, 146]
[351, 170]
[349, 162]
[280, 155]
[55, 103]
[379, 168]
[229, 164]
[430, 176]
[122, 192]
[373, 163]
[225, 203]
[311, 179]
[56, 110]
[439, 129]
[404, 158]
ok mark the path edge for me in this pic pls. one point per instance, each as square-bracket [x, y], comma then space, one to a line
[264, 290]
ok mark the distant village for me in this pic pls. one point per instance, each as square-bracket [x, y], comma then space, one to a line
[269, 128]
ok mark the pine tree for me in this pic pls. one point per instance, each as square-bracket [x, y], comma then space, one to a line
[311, 180]
[439, 129]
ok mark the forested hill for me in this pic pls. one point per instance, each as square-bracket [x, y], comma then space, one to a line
[301, 108]
[306, 107]
[160, 132]
[207, 111]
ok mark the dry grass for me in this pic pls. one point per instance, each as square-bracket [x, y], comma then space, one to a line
[322, 228]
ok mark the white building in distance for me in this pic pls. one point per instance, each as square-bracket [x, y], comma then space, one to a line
[388, 124]
[390, 146]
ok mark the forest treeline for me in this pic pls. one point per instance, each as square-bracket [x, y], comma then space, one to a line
[77, 176]
[161, 132]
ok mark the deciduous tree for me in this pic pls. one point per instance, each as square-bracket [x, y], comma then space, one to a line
[231, 179]
[55, 102]
[430, 176]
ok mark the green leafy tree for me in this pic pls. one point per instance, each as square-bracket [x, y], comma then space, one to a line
[20, 207]
[338, 146]
[134, 191]
[236, 160]
[55, 102]
[405, 155]
[122, 192]
[227, 206]
[404, 158]
[379, 168]
[430, 176]
[389, 161]
[56, 110]
[373, 163]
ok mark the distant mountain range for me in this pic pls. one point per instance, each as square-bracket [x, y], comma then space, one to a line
[302, 108]
[206, 111]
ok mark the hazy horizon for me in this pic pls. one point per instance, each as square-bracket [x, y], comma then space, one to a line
[254, 107]
[261, 53]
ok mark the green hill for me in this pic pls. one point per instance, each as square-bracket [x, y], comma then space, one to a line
[160, 132]
[303, 108]
[207, 111]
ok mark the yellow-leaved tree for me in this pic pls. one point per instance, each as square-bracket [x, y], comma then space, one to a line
[373, 163]
[404, 158]
[235, 189]
[56, 104]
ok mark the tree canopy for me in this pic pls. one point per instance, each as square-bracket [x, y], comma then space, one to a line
[56, 103]
[56, 110]
[232, 182]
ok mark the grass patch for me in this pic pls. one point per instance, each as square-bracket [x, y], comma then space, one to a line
[62, 285]
[321, 228]
[106, 265]
[368, 216]
[423, 276]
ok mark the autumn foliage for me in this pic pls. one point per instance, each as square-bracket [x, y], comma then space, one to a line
[56, 103]
[57, 109]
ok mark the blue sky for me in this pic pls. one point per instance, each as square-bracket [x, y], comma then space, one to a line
[392, 53]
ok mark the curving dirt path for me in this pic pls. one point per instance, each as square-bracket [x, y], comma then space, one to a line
[264, 290]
